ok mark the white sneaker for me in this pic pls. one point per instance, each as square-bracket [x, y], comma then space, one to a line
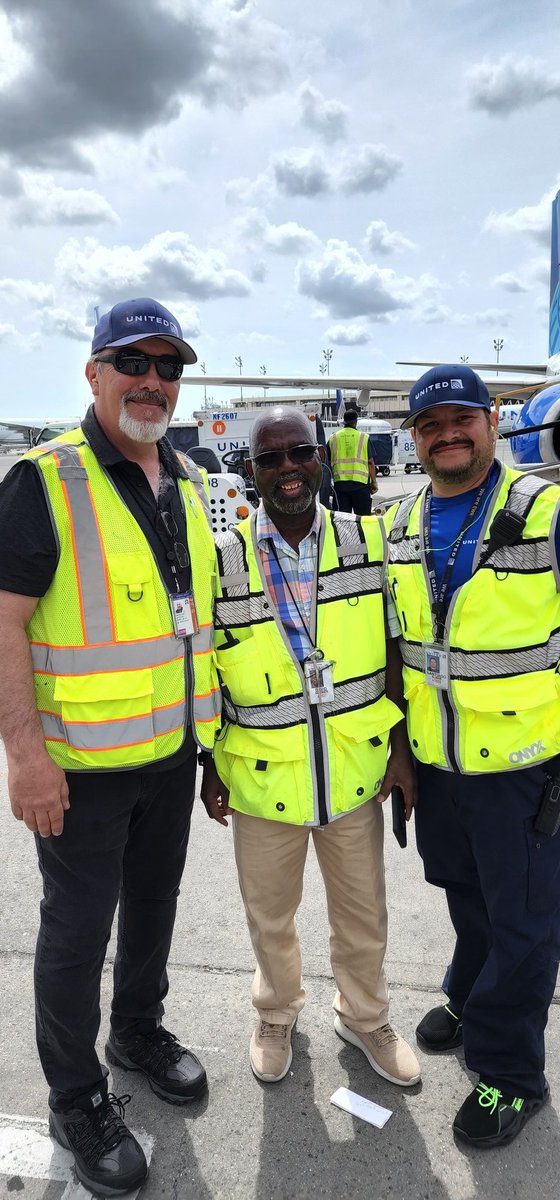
[386, 1051]
[270, 1051]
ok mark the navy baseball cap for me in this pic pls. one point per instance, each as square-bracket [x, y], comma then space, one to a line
[448, 383]
[132, 320]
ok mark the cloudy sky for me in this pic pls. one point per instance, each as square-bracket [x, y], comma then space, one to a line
[372, 178]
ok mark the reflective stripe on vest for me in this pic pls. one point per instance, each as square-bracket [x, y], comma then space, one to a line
[353, 578]
[486, 664]
[355, 467]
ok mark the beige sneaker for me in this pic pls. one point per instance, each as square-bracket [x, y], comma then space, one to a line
[270, 1052]
[386, 1051]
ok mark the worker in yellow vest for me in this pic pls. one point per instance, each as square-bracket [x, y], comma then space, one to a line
[107, 569]
[300, 638]
[473, 576]
[352, 465]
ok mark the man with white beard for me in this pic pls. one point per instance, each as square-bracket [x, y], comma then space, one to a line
[107, 566]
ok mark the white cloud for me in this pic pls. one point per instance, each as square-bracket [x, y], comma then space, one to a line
[26, 292]
[328, 118]
[348, 335]
[368, 168]
[42, 202]
[382, 240]
[255, 232]
[348, 287]
[301, 173]
[168, 265]
[495, 317]
[532, 219]
[510, 282]
[510, 83]
[60, 322]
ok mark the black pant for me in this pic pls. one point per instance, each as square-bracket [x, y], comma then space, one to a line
[124, 841]
[356, 499]
[477, 839]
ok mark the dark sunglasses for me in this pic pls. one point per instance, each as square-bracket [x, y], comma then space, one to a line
[275, 458]
[135, 363]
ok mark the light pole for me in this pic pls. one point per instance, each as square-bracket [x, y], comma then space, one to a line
[498, 345]
[262, 371]
[327, 355]
[464, 358]
[203, 369]
[239, 363]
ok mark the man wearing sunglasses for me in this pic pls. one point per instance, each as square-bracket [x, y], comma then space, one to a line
[106, 570]
[302, 654]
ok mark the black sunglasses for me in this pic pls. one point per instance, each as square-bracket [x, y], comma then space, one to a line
[275, 458]
[135, 363]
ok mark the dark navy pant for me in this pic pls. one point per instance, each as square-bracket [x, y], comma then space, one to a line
[124, 841]
[476, 836]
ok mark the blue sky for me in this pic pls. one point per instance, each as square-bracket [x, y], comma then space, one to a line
[372, 178]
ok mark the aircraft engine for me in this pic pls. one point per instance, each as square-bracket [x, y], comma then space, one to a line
[539, 447]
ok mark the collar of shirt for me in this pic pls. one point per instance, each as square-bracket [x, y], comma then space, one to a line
[266, 532]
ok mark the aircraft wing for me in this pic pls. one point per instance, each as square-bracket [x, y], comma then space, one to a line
[301, 382]
[521, 368]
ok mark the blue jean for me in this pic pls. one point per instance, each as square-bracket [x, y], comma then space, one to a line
[476, 836]
[124, 842]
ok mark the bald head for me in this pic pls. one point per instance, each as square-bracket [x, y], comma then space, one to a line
[279, 421]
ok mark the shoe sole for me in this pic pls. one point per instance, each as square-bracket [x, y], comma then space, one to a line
[127, 1064]
[98, 1189]
[442, 1047]
[348, 1035]
[509, 1136]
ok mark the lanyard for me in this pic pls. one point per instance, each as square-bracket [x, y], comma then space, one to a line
[439, 593]
[314, 652]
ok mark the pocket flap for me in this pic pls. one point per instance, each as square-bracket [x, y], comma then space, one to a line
[129, 568]
[363, 723]
[106, 685]
[508, 695]
[274, 745]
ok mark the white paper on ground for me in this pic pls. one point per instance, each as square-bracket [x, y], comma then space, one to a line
[366, 1110]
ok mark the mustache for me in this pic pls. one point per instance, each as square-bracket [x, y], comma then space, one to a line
[293, 477]
[146, 396]
[454, 442]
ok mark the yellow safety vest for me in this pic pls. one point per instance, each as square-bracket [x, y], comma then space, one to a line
[115, 688]
[281, 757]
[502, 637]
[349, 456]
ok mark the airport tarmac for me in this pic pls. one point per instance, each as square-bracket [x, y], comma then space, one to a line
[253, 1141]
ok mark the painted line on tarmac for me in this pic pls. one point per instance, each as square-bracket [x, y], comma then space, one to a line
[27, 1151]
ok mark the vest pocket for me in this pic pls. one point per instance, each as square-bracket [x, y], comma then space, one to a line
[242, 672]
[135, 605]
[108, 714]
[266, 772]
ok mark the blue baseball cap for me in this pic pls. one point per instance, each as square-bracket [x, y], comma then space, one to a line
[132, 320]
[448, 383]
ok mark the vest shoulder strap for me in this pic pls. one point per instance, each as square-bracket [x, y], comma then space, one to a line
[233, 566]
[400, 523]
[196, 477]
[523, 493]
[351, 545]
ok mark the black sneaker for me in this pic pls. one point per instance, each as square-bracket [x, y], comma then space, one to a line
[441, 1029]
[488, 1118]
[172, 1071]
[107, 1158]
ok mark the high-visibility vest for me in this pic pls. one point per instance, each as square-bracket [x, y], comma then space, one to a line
[282, 757]
[114, 686]
[501, 710]
[349, 455]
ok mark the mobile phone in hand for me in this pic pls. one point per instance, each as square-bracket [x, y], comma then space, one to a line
[399, 819]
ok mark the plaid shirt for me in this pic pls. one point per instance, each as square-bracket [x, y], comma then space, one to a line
[296, 568]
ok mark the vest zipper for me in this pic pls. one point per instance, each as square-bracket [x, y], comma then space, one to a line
[450, 725]
[319, 752]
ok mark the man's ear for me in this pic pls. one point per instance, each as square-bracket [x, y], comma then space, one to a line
[92, 376]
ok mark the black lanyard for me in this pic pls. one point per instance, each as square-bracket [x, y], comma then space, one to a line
[439, 593]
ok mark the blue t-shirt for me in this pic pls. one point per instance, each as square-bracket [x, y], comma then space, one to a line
[447, 517]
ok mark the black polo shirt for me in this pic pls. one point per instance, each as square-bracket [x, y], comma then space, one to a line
[28, 547]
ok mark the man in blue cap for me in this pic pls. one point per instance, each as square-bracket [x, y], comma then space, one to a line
[106, 570]
[473, 576]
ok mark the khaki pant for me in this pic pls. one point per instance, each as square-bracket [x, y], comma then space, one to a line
[270, 858]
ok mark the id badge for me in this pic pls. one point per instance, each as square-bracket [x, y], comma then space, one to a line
[183, 612]
[436, 666]
[319, 683]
